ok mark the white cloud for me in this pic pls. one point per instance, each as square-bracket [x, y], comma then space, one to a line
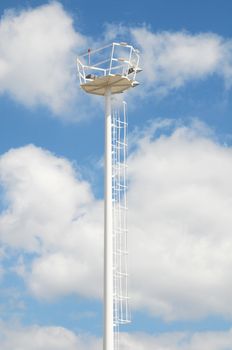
[44, 338]
[57, 338]
[38, 48]
[180, 222]
[51, 213]
[172, 59]
[179, 341]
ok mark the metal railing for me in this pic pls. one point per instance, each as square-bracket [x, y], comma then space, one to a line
[114, 59]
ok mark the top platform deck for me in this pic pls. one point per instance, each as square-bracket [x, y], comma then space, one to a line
[115, 83]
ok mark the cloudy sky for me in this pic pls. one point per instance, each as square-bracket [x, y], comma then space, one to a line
[180, 174]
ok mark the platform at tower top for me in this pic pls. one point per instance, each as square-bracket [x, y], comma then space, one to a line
[111, 67]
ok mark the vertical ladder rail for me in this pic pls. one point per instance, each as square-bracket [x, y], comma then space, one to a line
[120, 230]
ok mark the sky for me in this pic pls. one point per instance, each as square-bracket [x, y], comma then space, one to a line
[180, 175]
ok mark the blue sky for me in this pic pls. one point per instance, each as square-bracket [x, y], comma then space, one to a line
[51, 175]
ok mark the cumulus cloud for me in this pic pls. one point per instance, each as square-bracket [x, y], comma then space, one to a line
[172, 59]
[52, 216]
[37, 49]
[179, 341]
[180, 222]
[58, 338]
[44, 338]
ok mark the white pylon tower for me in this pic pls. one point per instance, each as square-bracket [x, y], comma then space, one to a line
[106, 71]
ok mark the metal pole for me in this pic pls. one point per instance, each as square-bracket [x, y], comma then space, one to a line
[108, 343]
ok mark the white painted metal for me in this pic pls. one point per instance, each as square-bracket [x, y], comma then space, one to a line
[120, 230]
[108, 234]
[109, 70]
[114, 65]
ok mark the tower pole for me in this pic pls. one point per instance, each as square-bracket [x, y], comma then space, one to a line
[108, 343]
[112, 76]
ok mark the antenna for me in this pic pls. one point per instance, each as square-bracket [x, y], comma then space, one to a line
[106, 71]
